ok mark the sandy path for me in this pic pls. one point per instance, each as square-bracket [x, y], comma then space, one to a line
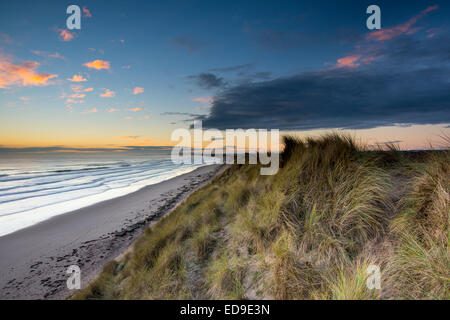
[33, 261]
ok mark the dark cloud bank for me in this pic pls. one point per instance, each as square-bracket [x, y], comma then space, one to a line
[408, 83]
[208, 80]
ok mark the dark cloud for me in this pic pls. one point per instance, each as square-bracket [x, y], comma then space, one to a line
[208, 80]
[407, 82]
[187, 43]
[180, 114]
[233, 68]
[188, 117]
[262, 75]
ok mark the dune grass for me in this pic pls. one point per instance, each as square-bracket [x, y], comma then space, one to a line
[309, 232]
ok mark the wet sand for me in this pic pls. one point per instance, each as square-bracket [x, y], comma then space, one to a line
[34, 260]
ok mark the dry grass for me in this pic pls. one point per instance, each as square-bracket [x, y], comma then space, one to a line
[308, 232]
[421, 264]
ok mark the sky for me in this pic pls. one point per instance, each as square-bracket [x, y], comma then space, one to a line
[137, 70]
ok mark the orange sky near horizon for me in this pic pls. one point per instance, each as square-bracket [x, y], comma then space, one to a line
[413, 137]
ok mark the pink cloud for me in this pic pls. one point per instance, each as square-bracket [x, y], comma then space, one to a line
[138, 90]
[22, 75]
[79, 88]
[97, 64]
[78, 95]
[349, 61]
[86, 13]
[135, 109]
[432, 32]
[108, 94]
[202, 99]
[77, 78]
[404, 28]
[65, 35]
[113, 110]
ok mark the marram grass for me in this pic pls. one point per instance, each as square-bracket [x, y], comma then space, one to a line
[309, 232]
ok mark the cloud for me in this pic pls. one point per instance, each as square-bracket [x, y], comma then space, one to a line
[135, 109]
[77, 78]
[65, 35]
[184, 116]
[402, 81]
[72, 101]
[24, 99]
[98, 64]
[75, 97]
[86, 13]
[22, 75]
[94, 110]
[233, 68]
[129, 137]
[128, 118]
[108, 94]
[113, 110]
[404, 28]
[367, 52]
[187, 43]
[349, 61]
[203, 99]
[138, 90]
[79, 88]
[208, 80]
[78, 95]
[126, 67]
[45, 54]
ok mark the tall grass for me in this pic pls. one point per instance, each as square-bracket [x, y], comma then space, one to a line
[309, 232]
[421, 264]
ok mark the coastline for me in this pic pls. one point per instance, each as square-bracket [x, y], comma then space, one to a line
[34, 260]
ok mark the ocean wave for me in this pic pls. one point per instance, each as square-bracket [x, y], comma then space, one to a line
[71, 184]
[24, 205]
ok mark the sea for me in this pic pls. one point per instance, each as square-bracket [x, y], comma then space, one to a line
[35, 186]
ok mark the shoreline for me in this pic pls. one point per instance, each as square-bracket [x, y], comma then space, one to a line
[34, 260]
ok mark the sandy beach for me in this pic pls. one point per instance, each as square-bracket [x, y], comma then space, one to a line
[34, 260]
